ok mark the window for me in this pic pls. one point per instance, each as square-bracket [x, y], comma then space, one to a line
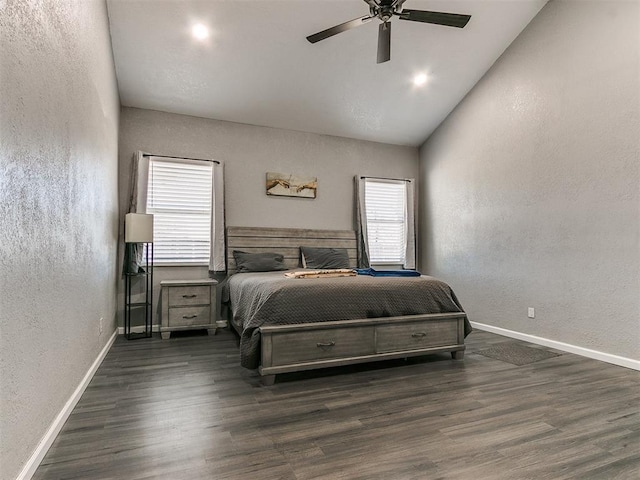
[386, 217]
[179, 195]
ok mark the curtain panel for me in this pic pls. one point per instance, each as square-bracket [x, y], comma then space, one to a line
[133, 252]
[410, 217]
[217, 257]
[361, 223]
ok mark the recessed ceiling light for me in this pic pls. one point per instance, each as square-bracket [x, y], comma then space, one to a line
[200, 31]
[420, 79]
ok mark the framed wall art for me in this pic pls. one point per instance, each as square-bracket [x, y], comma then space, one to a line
[289, 185]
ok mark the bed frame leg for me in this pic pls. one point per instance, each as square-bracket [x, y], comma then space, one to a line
[268, 380]
[457, 355]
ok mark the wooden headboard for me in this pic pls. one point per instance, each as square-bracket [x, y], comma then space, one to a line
[287, 241]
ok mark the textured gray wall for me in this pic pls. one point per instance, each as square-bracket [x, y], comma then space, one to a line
[58, 210]
[531, 186]
[248, 152]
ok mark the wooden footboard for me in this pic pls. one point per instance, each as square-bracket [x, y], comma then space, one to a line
[306, 346]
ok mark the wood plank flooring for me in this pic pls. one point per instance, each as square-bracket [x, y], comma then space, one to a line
[185, 409]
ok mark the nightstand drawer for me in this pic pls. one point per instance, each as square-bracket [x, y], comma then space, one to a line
[414, 336]
[189, 295]
[189, 316]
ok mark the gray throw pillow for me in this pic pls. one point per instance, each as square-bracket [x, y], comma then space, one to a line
[314, 257]
[258, 262]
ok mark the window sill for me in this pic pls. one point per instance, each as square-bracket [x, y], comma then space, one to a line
[199, 265]
[387, 266]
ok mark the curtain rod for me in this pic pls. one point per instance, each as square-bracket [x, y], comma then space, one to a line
[184, 158]
[384, 178]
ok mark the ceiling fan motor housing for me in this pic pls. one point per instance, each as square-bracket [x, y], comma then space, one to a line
[385, 10]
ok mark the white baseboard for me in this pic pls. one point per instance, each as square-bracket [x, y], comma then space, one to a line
[139, 329]
[565, 347]
[156, 328]
[47, 440]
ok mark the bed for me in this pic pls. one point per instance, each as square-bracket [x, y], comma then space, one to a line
[288, 324]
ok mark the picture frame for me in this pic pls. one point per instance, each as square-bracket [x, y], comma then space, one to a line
[290, 185]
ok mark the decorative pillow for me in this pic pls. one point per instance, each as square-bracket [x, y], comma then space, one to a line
[258, 262]
[324, 257]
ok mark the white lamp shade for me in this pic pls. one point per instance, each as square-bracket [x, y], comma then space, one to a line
[138, 228]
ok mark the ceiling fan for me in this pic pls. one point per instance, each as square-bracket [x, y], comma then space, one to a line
[384, 10]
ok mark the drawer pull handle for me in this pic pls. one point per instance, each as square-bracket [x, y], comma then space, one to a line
[328, 344]
[189, 316]
[189, 296]
[418, 335]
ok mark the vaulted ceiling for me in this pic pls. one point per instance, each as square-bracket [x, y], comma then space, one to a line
[257, 67]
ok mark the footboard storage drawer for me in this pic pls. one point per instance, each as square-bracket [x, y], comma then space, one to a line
[322, 344]
[305, 346]
[416, 335]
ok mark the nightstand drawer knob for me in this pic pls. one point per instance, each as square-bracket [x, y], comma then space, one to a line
[328, 344]
[189, 296]
[189, 316]
[418, 335]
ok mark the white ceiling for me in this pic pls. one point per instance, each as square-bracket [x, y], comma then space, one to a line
[258, 68]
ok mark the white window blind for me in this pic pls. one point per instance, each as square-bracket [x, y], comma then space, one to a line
[386, 220]
[179, 197]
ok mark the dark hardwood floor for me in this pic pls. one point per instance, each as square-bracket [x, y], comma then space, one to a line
[185, 409]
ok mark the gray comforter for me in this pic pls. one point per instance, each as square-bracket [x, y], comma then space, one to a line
[269, 298]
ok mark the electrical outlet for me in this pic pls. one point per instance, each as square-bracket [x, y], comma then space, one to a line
[531, 312]
[101, 322]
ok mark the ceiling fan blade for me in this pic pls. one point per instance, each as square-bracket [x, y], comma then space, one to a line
[330, 32]
[439, 18]
[384, 42]
[398, 7]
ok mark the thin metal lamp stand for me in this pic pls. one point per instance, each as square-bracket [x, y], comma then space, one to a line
[139, 229]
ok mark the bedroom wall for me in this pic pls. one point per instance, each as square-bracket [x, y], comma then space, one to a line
[531, 187]
[58, 210]
[248, 152]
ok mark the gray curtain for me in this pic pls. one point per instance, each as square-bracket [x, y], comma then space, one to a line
[133, 252]
[217, 257]
[361, 224]
[410, 216]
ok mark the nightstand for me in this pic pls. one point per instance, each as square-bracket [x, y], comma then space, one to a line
[188, 305]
